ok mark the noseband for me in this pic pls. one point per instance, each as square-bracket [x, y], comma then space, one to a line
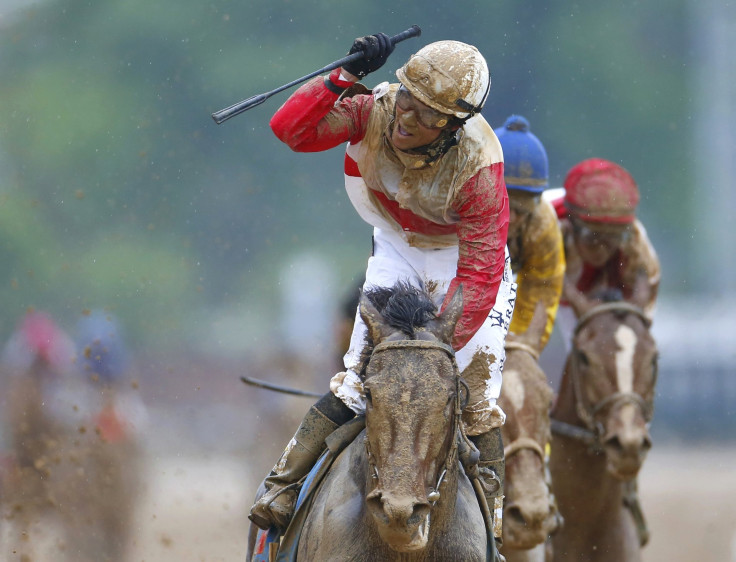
[434, 495]
[593, 432]
[524, 442]
[527, 443]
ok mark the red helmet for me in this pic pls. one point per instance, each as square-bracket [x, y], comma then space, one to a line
[597, 190]
[41, 338]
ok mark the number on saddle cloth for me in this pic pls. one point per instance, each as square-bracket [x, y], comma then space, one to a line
[263, 541]
[265, 538]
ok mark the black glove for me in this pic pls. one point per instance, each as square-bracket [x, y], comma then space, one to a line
[376, 47]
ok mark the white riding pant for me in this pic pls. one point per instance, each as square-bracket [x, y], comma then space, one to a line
[395, 260]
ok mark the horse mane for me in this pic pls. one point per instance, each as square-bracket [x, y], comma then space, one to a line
[403, 307]
[610, 294]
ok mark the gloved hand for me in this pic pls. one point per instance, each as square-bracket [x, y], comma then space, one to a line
[376, 47]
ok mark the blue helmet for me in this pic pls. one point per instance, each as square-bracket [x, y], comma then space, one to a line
[100, 346]
[524, 157]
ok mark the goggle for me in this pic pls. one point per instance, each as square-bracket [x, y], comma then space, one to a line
[426, 116]
[595, 236]
[523, 205]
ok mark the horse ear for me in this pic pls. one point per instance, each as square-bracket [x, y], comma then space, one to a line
[377, 328]
[535, 331]
[444, 326]
[579, 303]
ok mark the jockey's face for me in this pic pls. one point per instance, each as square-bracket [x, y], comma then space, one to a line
[521, 208]
[416, 124]
[598, 242]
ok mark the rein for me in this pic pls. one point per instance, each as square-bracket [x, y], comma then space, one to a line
[592, 433]
[434, 495]
[523, 347]
[524, 443]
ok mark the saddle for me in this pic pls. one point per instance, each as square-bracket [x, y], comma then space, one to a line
[272, 547]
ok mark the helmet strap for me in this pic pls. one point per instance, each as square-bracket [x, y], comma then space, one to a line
[472, 109]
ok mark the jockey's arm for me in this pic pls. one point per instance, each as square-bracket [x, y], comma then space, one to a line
[311, 121]
[483, 206]
[542, 272]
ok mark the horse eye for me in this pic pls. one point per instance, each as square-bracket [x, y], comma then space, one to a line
[583, 358]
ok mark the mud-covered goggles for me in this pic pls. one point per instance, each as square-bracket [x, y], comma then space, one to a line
[426, 116]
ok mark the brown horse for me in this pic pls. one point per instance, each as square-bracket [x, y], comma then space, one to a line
[66, 492]
[529, 513]
[41, 475]
[398, 492]
[601, 434]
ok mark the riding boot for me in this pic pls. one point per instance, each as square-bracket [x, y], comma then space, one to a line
[492, 469]
[276, 506]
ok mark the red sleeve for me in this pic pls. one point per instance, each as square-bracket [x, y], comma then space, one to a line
[559, 207]
[483, 206]
[310, 121]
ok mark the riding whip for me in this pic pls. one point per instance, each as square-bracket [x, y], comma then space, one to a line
[279, 388]
[240, 107]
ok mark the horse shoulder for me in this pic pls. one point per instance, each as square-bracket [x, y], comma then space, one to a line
[336, 518]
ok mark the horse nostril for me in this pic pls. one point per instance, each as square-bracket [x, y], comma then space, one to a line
[646, 443]
[614, 443]
[514, 514]
[420, 512]
[374, 502]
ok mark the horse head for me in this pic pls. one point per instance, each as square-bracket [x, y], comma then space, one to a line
[613, 370]
[412, 408]
[530, 514]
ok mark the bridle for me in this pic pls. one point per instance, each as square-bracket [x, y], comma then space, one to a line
[524, 442]
[593, 430]
[452, 456]
[527, 443]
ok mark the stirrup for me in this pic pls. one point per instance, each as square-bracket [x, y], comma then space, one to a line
[263, 514]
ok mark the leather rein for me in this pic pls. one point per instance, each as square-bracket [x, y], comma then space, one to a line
[593, 430]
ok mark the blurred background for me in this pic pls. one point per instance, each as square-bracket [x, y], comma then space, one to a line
[219, 253]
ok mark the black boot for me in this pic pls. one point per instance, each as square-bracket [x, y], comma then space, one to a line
[276, 506]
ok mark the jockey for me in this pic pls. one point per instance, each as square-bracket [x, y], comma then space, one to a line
[424, 168]
[535, 242]
[118, 414]
[606, 247]
[37, 359]
[39, 342]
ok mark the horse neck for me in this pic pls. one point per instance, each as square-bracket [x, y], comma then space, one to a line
[589, 477]
[564, 408]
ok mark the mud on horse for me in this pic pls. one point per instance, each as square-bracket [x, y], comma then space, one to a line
[530, 511]
[600, 426]
[398, 492]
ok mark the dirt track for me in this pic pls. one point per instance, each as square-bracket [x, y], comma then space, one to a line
[196, 509]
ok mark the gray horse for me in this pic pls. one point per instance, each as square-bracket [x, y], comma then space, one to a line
[398, 491]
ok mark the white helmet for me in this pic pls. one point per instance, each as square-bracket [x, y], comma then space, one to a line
[449, 76]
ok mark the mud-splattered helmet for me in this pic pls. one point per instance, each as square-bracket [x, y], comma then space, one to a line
[100, 345]
[449, 76]
[597, 190]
